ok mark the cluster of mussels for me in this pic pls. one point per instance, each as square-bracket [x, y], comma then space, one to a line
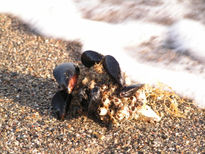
[101, 89]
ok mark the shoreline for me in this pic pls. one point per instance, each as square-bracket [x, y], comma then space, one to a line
[27, 124]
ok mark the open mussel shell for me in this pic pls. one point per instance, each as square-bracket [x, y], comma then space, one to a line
[60, 104]
[89, 58]
[66, 75]
[129, 91]
[112, 67]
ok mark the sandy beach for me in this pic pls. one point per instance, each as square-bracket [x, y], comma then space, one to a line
[27, 124]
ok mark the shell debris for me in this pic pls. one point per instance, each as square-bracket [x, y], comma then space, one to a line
[110, 107]
[107, 92]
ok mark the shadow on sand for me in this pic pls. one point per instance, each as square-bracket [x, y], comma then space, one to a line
[36, 93]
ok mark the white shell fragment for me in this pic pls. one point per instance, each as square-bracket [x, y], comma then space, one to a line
[147, 112]
[103, 111]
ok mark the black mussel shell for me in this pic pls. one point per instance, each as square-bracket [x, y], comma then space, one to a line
[90, 98]
[112, 67]
[63, 74]
[94, 99]
[89, 58]
[129, 91]
[60, 104]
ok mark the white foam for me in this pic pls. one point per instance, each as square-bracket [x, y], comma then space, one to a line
[188, 36]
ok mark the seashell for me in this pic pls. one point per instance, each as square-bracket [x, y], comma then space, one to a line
[148, 113]
[89, 58]
[112, 67]
[133, 99]
[117, 102]
[99, 68]
[94, 99]
[85, 81]
[120, 116]
[136, 116]
[125, 112]
[142, 97]
[60, 104]
[106, 103]
[66, 75]
[92, 84]
[104, 87]
[130, 90]
[102, 111]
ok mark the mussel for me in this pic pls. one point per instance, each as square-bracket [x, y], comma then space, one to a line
[89, 58]
[128, 91]
[110, 64]
[112, 67]
[94, 99]
[60, 104]
[66, 75]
